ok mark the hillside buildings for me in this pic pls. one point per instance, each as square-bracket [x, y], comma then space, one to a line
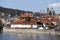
[31, 20]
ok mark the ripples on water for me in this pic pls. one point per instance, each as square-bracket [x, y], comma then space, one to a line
[18, 36]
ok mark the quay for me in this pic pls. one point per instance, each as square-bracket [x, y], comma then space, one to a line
[33, 31]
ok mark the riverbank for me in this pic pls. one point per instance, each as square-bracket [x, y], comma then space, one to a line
[34, 31]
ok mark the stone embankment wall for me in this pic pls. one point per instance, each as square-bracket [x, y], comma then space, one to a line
[35, 31]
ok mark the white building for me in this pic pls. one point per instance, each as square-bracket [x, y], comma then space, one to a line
[23, 26]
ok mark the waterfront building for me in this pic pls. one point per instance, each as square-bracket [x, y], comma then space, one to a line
[27, 20]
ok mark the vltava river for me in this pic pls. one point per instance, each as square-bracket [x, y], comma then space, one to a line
[20, 36]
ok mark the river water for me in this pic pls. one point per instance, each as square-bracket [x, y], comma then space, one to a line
[20, 36]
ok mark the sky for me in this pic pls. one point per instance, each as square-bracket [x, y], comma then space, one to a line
[31, 5]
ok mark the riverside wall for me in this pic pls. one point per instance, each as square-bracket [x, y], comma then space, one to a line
[34, 31]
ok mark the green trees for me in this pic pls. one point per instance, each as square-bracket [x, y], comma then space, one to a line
[1, 25]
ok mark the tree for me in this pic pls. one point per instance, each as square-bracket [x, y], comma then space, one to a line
[1, 25]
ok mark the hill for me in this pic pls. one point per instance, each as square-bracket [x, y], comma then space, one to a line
[13, 12]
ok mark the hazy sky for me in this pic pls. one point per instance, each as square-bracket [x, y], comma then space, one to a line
[31, 5]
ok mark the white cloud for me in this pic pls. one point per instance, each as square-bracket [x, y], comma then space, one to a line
[55, 5]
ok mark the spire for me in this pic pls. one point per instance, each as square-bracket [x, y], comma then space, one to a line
[47, 9]
[52, 11]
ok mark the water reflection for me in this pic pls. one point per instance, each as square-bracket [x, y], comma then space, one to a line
[1, 37]
[18, 36]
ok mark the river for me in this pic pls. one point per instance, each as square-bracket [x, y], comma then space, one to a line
[20, 36]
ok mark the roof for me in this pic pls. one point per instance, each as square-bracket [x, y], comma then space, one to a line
[26, 15]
